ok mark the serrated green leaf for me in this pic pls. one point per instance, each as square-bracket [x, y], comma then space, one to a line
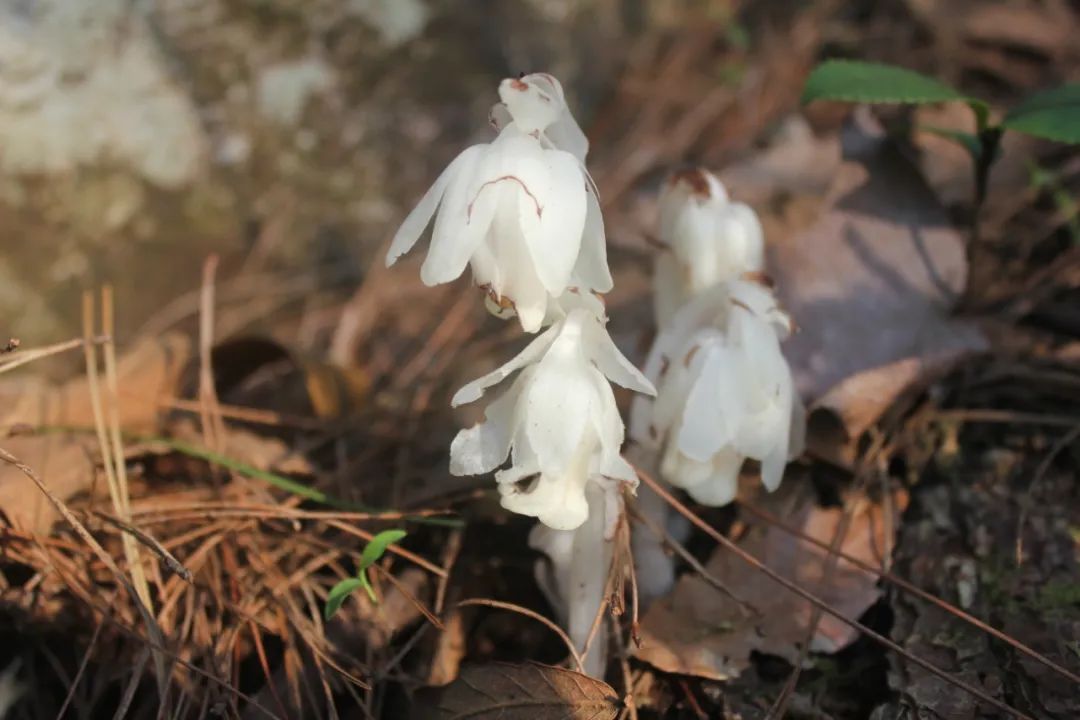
[1052, 114]
[864, 82]
[337, 595]
[376, 547]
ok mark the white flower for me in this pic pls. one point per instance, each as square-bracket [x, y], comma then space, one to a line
[709, 240]
[521, 212]
[558, 419]
[536, 104]
[725, 393]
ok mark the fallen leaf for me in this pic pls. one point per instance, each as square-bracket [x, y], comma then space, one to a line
[147, 374]
[449, 650]
[698, 630]
[871, 281]
[520, 692]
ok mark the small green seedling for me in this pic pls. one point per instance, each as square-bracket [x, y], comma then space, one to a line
[1051, 114]
[372, 552]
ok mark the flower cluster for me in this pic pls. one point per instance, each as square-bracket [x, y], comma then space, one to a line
[725, 391]
[523, 214]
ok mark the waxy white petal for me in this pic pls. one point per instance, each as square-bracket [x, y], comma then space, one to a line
[417, 220]
[533, 351]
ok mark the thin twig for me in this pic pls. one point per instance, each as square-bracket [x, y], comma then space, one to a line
[174, 565]
[806, 595]
[535, 616]
[29, 356]
[1040, 472]
[916, 591]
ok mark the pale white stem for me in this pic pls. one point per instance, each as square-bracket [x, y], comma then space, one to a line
[576, 575]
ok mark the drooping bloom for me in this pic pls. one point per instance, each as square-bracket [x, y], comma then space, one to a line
[521, 212]
[725, 393]
[557, 420]
[708, 240]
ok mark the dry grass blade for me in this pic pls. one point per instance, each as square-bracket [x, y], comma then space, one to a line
[817, 602]
[502, 691]
[918, 592]
[535, 616]
[111, 461]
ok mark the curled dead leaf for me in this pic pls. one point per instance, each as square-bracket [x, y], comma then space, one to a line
[698, 630]
[520, 692]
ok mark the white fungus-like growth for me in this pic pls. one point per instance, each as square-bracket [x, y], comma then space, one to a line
[557, 420]
[519, 211]
[725, 393]
[709, 239]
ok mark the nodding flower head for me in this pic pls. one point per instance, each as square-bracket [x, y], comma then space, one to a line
[725, 393]
[709, 239]
[523, 215]
[536, 104]
[557, 421]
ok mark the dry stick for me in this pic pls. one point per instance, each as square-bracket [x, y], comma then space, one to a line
[29, 356]
[630, 707]
[1040, 472]
[806, 595]
[82, 667]
[660, 532]
[779, 708]
[918, 592]
[1004, 416]
[535, 616]
[174, 565]
[212, 424]
[450, 556]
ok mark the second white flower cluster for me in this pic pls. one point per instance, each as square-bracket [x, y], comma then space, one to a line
[725, 390]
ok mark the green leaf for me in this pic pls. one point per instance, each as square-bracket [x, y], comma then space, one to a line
[864, 82]
[377, 546]
[337, 595]
[374, 550]
[1052, 114]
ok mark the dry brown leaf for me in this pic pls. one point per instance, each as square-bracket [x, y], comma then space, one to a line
[450, 647]
[698, 630]
[520, 692]
[871, 281]
[148, 373]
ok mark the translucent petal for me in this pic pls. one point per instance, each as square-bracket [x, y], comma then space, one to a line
[613, 364]
[553, 212]
[713, 407]
[532, 353]
[749, 236]
[485, 446]
[591, 271]
[415, 222]
[461, 224]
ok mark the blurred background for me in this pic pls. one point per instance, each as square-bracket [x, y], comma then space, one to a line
[290, 137]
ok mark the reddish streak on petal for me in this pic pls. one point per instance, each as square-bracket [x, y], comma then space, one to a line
[539, 210]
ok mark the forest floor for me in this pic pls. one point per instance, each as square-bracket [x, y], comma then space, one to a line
[229, 479]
